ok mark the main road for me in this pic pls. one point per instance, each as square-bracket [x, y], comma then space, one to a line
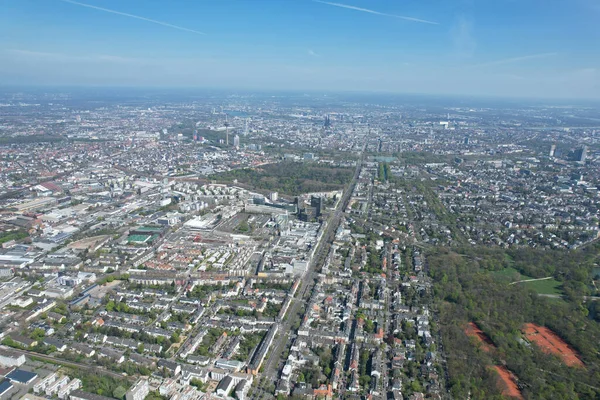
[308, 280]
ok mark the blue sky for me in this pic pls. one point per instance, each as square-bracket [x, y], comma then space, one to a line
[531, 48]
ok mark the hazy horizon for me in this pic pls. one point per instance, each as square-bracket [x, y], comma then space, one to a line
[231, 91]
[501, 49]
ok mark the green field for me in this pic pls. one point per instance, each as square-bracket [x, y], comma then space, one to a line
[138, 238]
[548, 286]
[509, 275]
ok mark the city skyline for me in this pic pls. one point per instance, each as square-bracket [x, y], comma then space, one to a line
[195, 245]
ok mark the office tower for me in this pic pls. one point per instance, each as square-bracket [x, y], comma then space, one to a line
[226, 131]
[236, 141]
[581, 154]
[317, 203]
[552, 150]
[584, 151]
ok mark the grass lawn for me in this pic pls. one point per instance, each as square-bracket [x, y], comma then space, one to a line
[509, 275]
[548, 286]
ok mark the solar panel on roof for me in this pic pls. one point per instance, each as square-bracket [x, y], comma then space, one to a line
[21, 376]
[5, 386]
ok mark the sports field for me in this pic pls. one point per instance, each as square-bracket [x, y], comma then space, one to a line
[139, 238]
[507, 383]
[549, 342]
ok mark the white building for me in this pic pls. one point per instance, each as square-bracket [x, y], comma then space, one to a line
[139, 391]
[11, 358]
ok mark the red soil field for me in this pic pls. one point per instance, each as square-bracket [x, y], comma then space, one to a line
[551, 343]
[506, 382]
[473, 330]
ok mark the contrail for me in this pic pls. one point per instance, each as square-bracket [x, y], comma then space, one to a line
[366, 10]
[134, 16]
[515, 59]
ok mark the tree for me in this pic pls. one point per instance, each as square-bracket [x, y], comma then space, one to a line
[416, 386]
[119, 392]
[37, 334]
[244, 227]
[369, 326]
[197, 383]
[61, 308]
[110, 306]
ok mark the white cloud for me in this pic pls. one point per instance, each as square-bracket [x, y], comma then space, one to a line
[62, 57]
[515, 60]
[366, 10]
[463, 39]
[134, 16]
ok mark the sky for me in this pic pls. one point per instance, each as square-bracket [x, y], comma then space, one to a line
[508, 48]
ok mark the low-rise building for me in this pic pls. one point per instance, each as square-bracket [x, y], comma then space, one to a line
[138, 391]
[11, 358]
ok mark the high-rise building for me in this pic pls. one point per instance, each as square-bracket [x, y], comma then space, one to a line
[327, 123]
[552, 150]
[226, 130]
[246, 130]
[581, 154]
[283, 223]
[236, 141]
[317, 203]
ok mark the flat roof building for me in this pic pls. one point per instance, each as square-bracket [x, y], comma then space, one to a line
[139, 391]
[224, 386]
[21, 376]
[5, 387]
[81, 395]
[11, 358]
